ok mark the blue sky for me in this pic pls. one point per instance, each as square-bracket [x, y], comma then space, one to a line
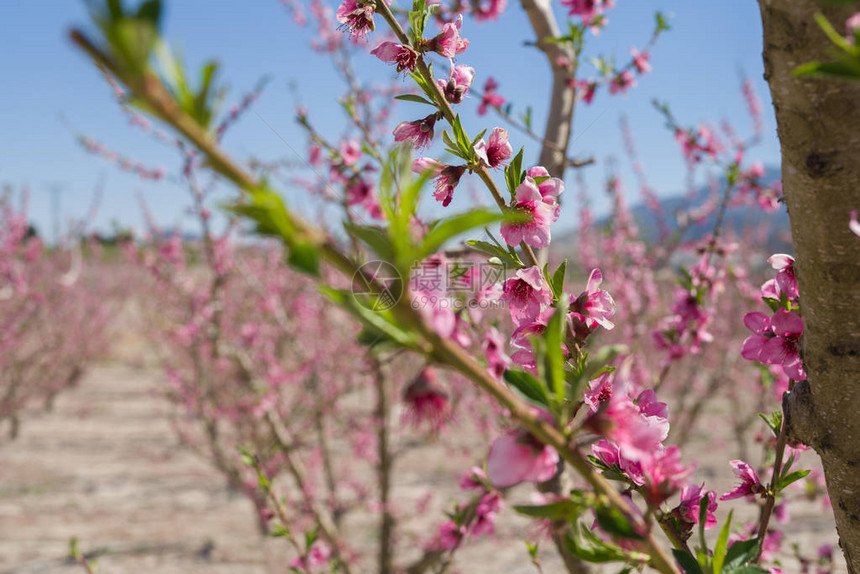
[48, 87]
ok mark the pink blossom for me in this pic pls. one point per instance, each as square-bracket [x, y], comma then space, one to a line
[392, 53]
[622, 82]
[785, 278]
[314, 154]
[585, 90]
[589, 10]
[595, 306]
[446, 181]
[495, 152]
[350, 152]
[525, 356]
[473, 479]
[425, 401]
[361, 193]
[619, 419]
[318, 555]
[664, 473]
[526, 293]
[419, 132]
[852, 26]
[490, 99]
[494, 351]
[775, 341]
[421, 165]
[640, 61]
[750, 484]
[609, 453]
[488, 9]
[853, 225]
[770, 290]
[448, 536]
[688, 509]
[357, 16]
[599, 392]
[448, 42]
[457, 86]
[518, 457]
[549, 187]
[485, 514]
[538, 217]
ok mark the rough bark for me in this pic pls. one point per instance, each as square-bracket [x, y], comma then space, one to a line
[559, 121]
[818, 121]
[553, 155]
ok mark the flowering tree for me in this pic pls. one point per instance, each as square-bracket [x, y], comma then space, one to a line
[569, 404]
[822, 187]
[45, 295]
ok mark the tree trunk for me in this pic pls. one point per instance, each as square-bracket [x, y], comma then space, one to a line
[818, 121]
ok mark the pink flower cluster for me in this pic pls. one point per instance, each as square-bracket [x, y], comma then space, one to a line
[482, 522]
[698, 144]
[766, 196]
[529, 297]
[536, 201]
[634, 427]
[776, 340]
[591, 11]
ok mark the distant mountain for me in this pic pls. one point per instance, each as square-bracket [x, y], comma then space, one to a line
[675, 209]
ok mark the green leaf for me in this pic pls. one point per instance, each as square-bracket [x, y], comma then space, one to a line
[374, 237]
[615, 523]
[455, 225]
[554, 360]
[494, 251]
[687, 561]
[585, 545]
[305, 257]
[513, 173]
[845, 69]
[774, 421]
[528, 386]
[414, 98]
[750, 569]
[567, 510]
[463, 142]
[791, 478]
[662, 23]
[557, 282]
[740, 553]
[380, 321]
[722, 544]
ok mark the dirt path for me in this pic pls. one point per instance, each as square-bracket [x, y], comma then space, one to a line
[104, 466]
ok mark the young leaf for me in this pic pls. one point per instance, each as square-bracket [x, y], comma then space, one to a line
[557, 282]
[494, 251]
[615, 523]
[528, 386]
[689, 564]
[452, 226]
[792, 477]
[374, 237]
[722, 545]
[554, 360]
[414, 98]
[740, 553]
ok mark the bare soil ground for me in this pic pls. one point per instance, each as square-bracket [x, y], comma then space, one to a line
[105, 467]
